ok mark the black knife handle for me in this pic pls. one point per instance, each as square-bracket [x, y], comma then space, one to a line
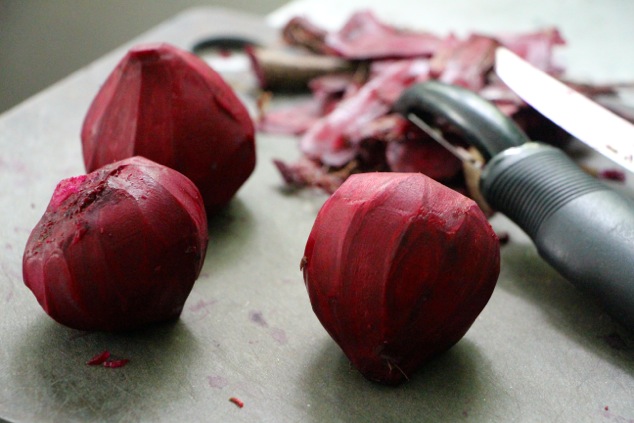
[580, 226]
[480, 122]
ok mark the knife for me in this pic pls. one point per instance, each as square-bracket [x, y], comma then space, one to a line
[580, 226]
[589, 122]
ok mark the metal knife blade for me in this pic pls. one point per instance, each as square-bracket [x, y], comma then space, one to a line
[591, 123]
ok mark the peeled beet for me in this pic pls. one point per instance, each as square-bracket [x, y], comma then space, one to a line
[398, 267]
[168, 105]
[119, 248]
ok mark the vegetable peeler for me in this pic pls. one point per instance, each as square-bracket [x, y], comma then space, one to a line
[580, 226]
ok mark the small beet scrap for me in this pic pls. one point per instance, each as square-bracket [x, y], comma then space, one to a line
[119, 248]
[237, 401]
[167, 105]
[397, 268]
[99, 359]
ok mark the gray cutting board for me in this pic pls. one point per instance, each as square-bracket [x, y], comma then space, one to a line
[540, 351]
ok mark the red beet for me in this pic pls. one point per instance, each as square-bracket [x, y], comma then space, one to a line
[119, 248]
[168, 105]
[398, 267]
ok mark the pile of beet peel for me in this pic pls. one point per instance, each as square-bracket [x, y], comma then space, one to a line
[347, 125]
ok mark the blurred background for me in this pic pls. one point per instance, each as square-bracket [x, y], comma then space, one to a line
[42, 41]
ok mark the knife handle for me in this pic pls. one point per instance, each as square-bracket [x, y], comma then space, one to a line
[580, 226]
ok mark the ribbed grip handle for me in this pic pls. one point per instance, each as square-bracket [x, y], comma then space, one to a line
[581, 227]
[531, 182]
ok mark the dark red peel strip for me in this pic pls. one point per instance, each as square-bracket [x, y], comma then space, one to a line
[99, 359]
[237, 401]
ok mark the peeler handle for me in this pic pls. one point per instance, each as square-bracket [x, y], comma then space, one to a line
[581, 227]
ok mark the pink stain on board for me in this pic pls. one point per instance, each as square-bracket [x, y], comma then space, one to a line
[257, 318]
[217, 382]
[201, 308]
[279, 335]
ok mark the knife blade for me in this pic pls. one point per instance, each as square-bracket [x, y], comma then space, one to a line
[589, 122]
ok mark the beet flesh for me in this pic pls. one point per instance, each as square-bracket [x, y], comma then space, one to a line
[119, 248]
[168, 105]
[397, 268]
